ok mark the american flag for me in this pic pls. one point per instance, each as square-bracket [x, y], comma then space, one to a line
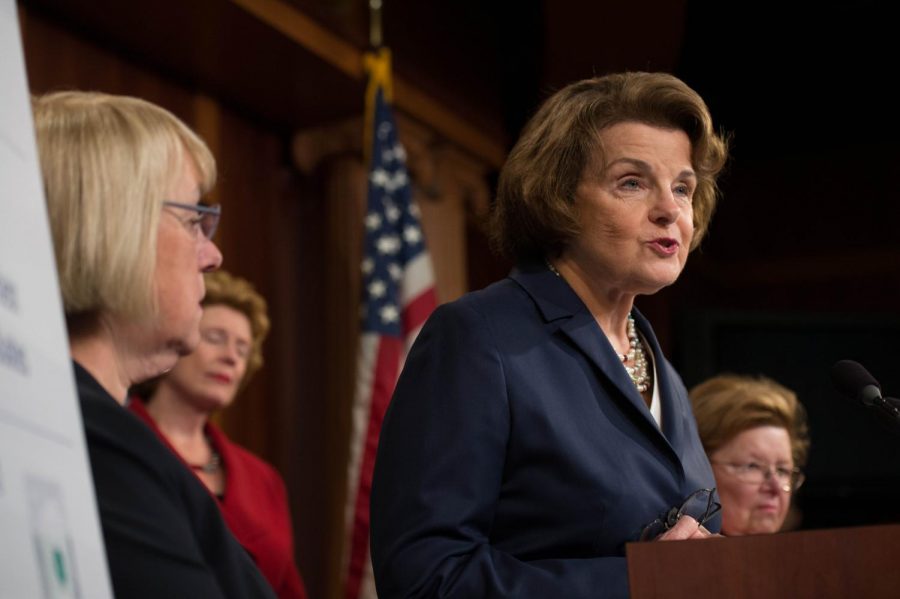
[398, 295]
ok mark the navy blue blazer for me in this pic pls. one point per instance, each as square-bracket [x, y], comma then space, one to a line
[517, 458]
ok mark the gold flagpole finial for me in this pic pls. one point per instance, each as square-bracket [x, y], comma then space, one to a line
[375, 37]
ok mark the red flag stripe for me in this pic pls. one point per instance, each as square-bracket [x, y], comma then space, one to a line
[417, 311]
[387, 367]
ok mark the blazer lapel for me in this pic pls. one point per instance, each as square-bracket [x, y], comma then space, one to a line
[559, 304]
[585, 333]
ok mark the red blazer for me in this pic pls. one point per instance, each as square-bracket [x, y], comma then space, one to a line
[254, 506]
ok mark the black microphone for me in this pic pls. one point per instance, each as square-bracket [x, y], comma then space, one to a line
[855, 382]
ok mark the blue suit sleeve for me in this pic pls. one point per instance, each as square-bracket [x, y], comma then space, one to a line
[440, 474]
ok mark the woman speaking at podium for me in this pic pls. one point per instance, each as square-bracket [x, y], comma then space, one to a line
[537, 427]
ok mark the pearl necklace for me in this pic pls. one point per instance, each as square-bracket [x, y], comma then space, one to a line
[638, 372]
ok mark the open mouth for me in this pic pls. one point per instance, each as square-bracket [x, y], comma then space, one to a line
[665, 246]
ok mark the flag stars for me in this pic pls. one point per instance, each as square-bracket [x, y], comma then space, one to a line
[400, 179]
[392, 213]
[396, 153]
[377, 288]
[387, 244]
[368, 265]
[384, 129]
[389, 314]
[412, 234]
[414, 210]
[380, 178]
[395, 271]
[373, 221]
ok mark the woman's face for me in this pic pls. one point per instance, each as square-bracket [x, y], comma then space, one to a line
[753, 508]
[210, 376]
[634, 205]
[183, 254]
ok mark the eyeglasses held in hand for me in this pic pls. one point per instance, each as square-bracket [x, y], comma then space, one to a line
[789, 479]
[699, 505]
[207, 219]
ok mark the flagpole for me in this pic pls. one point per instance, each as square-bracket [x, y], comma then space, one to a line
[375, 37]
[398, 295]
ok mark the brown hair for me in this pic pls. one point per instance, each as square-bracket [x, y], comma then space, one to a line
[223, 289]
[534, 215]
[727, 405]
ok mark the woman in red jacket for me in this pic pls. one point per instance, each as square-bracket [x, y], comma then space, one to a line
[178, 406]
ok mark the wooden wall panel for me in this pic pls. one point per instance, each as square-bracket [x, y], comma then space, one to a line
[269, 234]
[343, 178]
[292, 225]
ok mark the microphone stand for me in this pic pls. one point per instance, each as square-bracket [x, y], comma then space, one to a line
[888, 410]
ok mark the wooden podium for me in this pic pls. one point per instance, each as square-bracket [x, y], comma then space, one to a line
[847, 563]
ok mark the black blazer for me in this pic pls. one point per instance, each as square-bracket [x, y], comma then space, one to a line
[517, 457]
[163, 532]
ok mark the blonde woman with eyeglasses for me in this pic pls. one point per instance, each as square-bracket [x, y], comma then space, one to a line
[124, 180]
[755, 434]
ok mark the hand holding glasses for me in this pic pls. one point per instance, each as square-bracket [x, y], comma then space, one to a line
[699, 505]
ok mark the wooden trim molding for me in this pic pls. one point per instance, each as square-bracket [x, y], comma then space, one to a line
[308, 33]
[348, 59]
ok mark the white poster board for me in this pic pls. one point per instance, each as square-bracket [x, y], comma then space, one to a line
[50, 541]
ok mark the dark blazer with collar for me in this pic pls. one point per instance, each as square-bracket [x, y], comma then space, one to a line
[162, 530]
[254, 505]
[517, 458]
